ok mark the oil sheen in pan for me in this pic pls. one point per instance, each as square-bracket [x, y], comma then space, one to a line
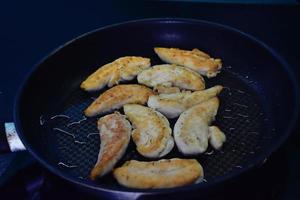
[237, 101]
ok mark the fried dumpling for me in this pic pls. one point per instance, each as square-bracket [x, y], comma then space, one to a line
[159, 174]
[195, 60]
[115, 133]
[152, 133]
[117, 96]
[124, 68]
[172, 105]
[171, 75]
[191, 131]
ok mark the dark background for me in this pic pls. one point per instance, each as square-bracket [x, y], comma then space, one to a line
[31, 29]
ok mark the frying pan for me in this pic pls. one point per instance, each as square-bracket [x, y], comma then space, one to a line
[259, 105]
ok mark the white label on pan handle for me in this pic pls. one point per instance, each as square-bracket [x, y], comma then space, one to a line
[14, 142]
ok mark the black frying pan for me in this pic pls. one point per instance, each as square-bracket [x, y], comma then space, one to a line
[259, 106]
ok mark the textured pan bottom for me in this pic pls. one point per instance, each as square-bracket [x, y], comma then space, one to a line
[240, 116]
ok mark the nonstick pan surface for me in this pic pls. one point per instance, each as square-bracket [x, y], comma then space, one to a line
[259, 105]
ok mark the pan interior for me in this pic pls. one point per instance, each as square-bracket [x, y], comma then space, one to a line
[240, 116]
[256, 112]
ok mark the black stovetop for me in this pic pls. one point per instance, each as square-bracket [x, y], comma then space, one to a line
[30, 30]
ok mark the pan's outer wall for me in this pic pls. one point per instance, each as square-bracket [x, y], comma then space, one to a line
[64, 69]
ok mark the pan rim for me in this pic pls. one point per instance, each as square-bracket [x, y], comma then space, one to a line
[128, 191]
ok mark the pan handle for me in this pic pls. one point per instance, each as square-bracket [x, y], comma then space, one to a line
[13, 155]
[13, 140]
[4, 147]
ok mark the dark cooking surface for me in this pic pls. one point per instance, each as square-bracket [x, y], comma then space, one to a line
[248, 63]
[269, 24]
[240, 116]
[36, 182]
